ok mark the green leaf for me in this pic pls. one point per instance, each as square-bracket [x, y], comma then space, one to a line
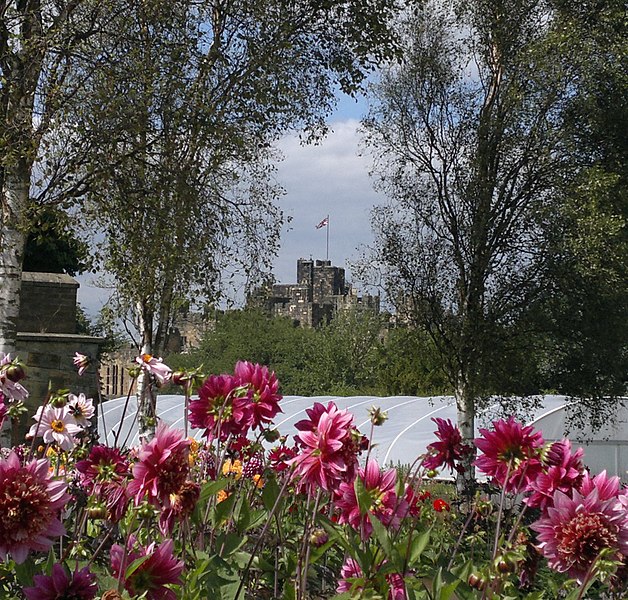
[417, 545]
[135, 565]
[270, 493]
[211, 488]
[361, 493]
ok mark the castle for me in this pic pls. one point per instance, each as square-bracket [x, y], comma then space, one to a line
[318, 295]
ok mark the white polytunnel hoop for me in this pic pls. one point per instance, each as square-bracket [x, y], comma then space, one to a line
[408, 430]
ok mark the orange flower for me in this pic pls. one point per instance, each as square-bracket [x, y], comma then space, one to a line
[221, 495]
[232, 467]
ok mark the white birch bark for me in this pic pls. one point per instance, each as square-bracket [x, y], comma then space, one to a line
[146, 393]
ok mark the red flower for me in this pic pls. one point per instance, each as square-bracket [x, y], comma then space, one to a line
[162, 467]
[222, 408]
[263, 391]
[322, 462]
[81, 585]
[449, 449]
[511, 453]
[30, 501]
[578, 527]
[103, 465]
[385, 505]
[161, 568]
[440, 505]
[280, 456]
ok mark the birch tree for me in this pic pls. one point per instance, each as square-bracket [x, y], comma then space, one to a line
[186, 116]
[464, 138]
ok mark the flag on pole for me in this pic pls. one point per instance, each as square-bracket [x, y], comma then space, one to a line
[323, 223]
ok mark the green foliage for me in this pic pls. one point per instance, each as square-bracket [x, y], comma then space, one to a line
[52, 246]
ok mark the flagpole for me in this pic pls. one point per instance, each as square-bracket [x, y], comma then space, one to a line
[327, 257]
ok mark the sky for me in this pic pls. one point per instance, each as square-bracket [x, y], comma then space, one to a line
[330, 178]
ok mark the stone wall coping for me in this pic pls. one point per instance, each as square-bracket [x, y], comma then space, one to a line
[49, 278]
[58, 337]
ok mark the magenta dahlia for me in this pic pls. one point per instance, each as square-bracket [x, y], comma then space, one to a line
[511, 453]
[580, 526]
[103, 465]
[222, 408]
[563, 470]
[151, 577]
[384, 503]
[162, 467]
[352, 580]
[322, 461]
[450, 450]
[30, 501]
[61, 585]
[263, 391]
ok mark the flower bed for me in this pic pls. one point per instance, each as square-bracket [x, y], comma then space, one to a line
[312, 517]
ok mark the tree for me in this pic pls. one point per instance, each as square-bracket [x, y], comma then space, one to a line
[38, 42]
[464, 135]
[584, 309]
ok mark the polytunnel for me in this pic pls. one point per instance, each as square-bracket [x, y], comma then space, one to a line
[408, 430]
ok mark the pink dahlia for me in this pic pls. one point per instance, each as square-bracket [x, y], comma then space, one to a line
[563, 470]
[449, 450]
[152, 576]
[30, 501]
[4, 411]
[155, 366]
[80, 585]
[280, 456]
[55, 425]
[578, 527]
[263, 391]
[322, 462]
[511, 453]
[384, 503]
[352, 580]
[162, 467]
[222, 408]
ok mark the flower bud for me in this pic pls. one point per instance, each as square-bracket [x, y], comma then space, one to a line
[377, 415]
[15, 372]
[318, 537]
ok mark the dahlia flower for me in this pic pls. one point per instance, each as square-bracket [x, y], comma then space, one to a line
[81, 361]
[103, 465]
[81, 408]
[352, 580]
[563, 471]
[162, 467]
[384, 503]
[511, 453]
[182, 504]
[80, 585]
[280, 456]
[221, 409]
[449, 449]
[263, 391]
[10, 385]
[30, 501]
[155, 366]
[580, 526]
[55, 425]
[151, 576]
[321, 462]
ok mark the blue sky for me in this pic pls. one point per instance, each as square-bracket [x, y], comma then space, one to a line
[330, 178]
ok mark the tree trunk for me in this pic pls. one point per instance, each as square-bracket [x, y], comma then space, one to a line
[12, 239]
[465, 405]
[146, 394]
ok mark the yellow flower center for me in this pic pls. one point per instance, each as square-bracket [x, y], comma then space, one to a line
[58, 426]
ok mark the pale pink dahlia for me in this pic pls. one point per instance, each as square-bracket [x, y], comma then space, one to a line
[162, 467]
[384, 503]
[511, 453]
[151, 577]
[30, 501]
[3, 410]
[81, 408]
[263, 391]
[450, 450]
[562, 470]
[578, 527]
[55, 425]
[81, 361]
[155, 366]
[322, 461]
[222, 408]
[80, 585]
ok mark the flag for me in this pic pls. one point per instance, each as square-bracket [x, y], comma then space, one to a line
[323, 223]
